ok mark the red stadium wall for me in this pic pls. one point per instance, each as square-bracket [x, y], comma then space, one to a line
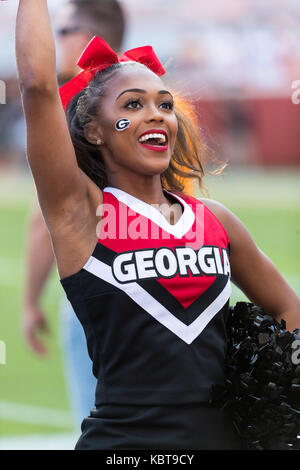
[274, 124]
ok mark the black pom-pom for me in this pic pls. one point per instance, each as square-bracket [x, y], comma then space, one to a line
[262, 384]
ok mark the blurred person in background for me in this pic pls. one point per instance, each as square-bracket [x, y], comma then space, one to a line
[237, 122]
[12, 128]
[76, 23]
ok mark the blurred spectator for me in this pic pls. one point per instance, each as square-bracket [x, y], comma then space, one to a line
[237, 142]
[12, 128]
[77, 22]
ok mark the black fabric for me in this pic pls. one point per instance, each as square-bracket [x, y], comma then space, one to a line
[188, 427]
[143, 362]
[138, 360]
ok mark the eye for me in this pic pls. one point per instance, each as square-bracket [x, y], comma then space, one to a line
[168, 105]
[132, 104]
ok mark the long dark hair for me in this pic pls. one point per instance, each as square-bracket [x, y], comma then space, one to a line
[189, 151]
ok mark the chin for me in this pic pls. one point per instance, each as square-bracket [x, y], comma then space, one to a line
[156, 167]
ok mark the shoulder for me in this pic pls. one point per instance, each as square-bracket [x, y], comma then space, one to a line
[234, 227]
[218, 209]
[220, 212]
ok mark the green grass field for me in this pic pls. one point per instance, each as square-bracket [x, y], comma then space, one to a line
[267, 202]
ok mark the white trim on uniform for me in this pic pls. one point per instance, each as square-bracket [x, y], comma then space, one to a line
[182, 226]
[148, 303]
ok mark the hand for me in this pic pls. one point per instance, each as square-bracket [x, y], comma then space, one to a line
[34, 323]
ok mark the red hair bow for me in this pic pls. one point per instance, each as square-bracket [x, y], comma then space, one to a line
[97, 56]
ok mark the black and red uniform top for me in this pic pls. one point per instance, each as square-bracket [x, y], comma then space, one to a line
[153, 300]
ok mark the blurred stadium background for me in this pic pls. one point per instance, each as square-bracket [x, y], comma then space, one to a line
[237, 61]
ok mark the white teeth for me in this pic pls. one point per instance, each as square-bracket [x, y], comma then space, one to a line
[162, 137]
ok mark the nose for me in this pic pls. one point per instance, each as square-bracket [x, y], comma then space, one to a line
[154, 114]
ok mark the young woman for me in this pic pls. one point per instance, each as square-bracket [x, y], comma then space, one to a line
[146, 268]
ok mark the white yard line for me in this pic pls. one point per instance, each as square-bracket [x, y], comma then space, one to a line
[35, 415]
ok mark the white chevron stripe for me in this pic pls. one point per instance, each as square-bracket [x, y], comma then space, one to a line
[182, 226]
[148, 303]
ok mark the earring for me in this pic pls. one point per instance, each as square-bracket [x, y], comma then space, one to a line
[99, 142]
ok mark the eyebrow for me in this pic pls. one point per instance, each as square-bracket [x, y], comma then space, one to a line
[139, 90]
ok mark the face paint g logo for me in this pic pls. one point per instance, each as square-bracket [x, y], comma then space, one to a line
[122, 124]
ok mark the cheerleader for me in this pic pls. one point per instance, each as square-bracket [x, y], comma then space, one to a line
[146, 267]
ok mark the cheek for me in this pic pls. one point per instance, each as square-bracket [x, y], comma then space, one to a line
[122, 124]
[120, 130]
[175, 125]
[119, 142]
[109, 120]
[174, 129]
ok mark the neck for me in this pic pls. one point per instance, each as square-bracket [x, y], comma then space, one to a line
[146, 189]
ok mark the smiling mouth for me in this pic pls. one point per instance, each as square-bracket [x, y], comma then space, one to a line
[154, 141]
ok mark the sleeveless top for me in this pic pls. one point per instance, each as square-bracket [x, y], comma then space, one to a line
[153, 300]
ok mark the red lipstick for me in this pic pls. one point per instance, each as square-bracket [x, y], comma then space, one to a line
[158, 147]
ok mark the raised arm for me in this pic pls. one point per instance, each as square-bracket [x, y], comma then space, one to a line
[61, 186]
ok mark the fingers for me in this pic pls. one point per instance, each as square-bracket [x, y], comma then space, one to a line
[36, 344]
[35, 326]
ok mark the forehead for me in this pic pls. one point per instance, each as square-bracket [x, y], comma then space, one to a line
[68, 16]
[134, 76]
